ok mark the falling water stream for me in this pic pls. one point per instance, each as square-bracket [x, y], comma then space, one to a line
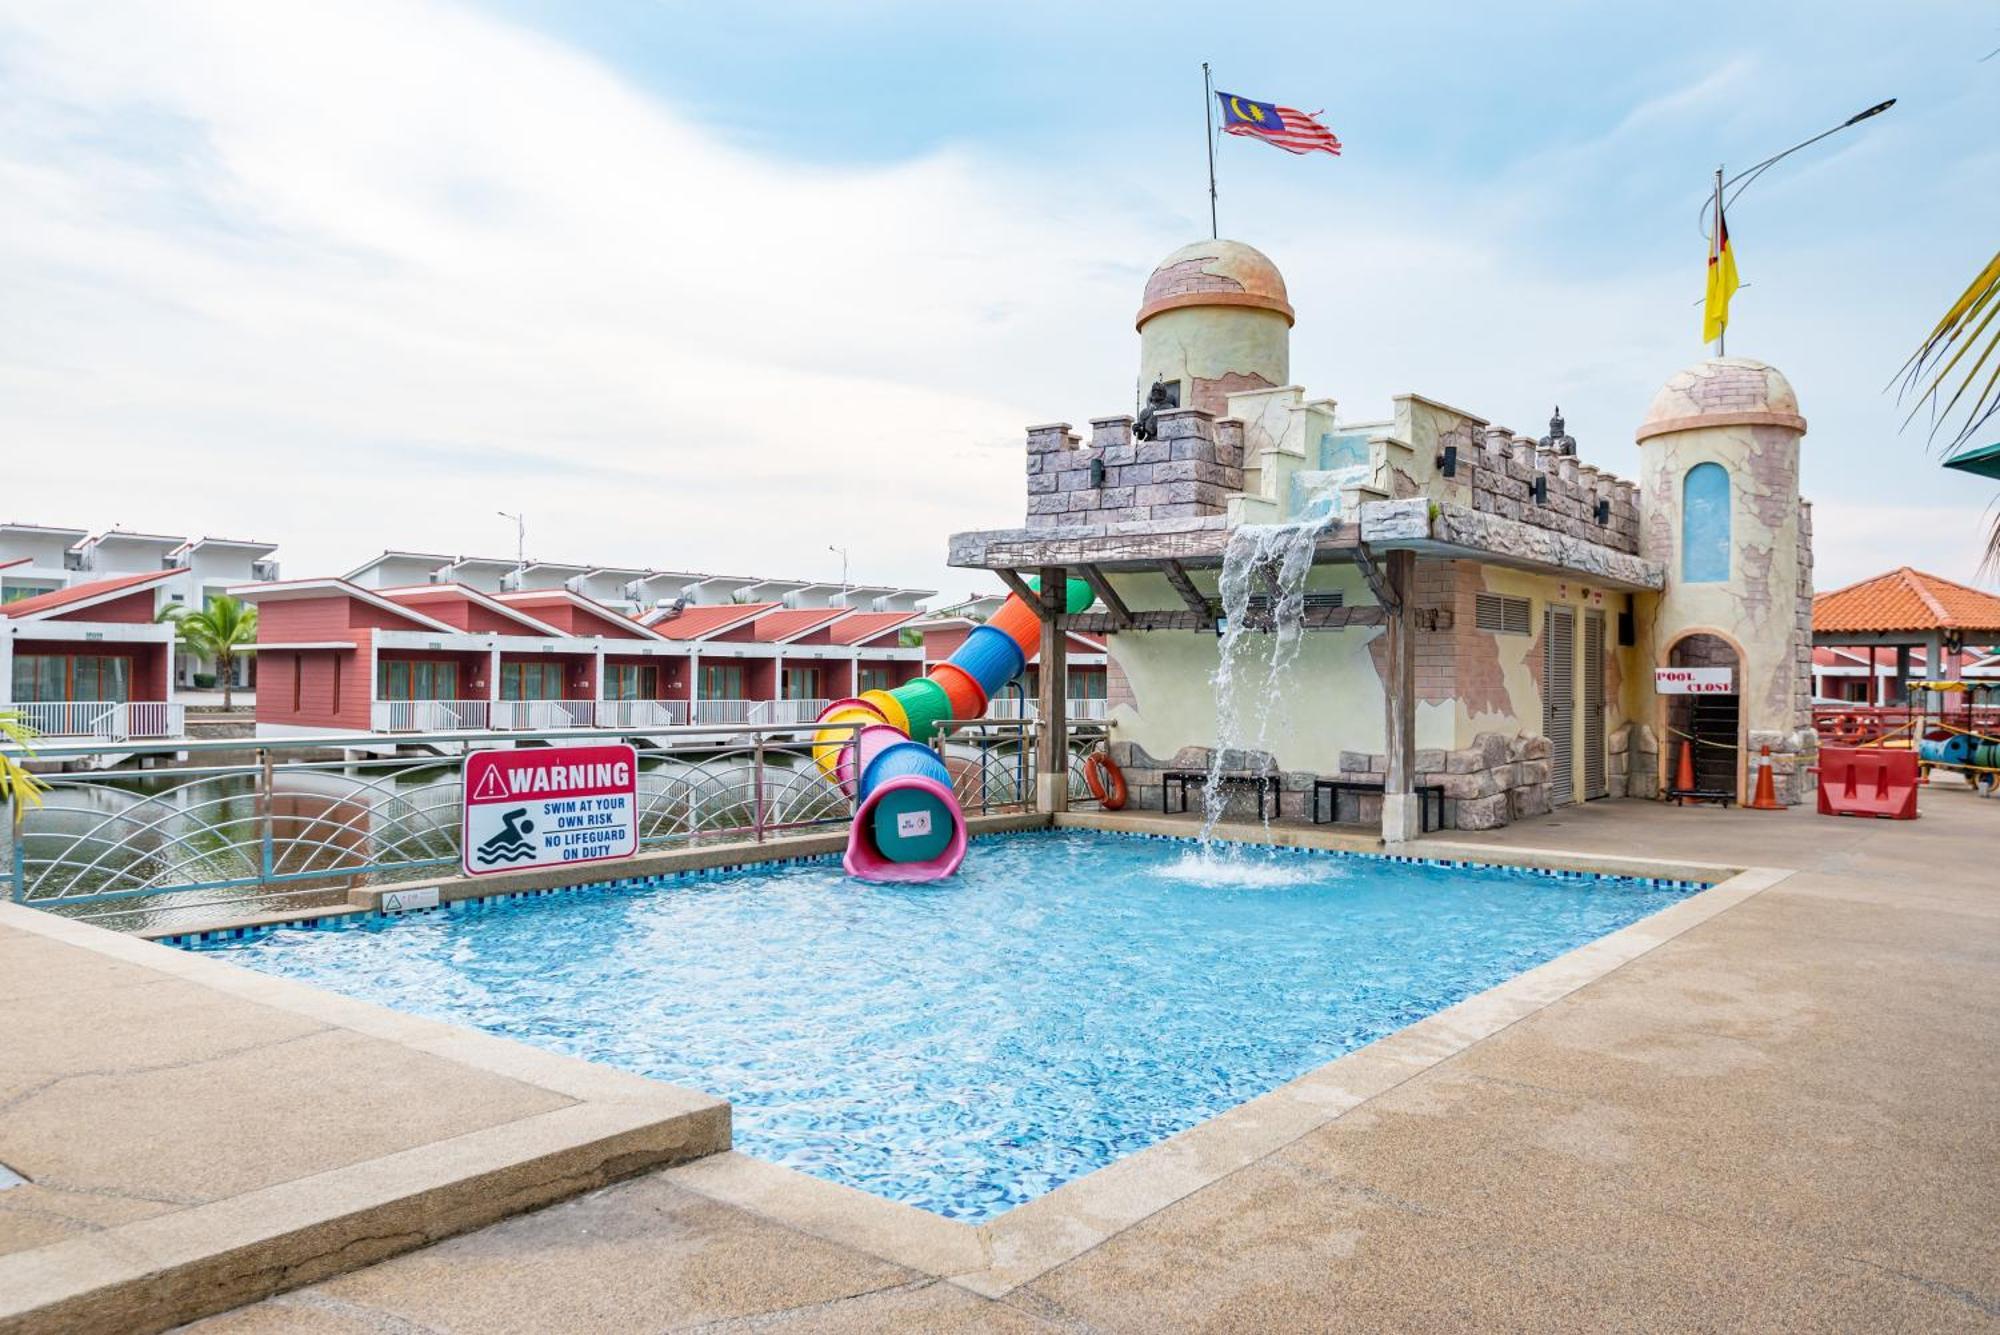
[1281, 555]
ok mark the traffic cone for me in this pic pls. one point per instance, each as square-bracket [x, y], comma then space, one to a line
[1684, 777]
[1766, 796]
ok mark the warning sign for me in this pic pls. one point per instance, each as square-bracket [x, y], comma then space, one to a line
[548, 808]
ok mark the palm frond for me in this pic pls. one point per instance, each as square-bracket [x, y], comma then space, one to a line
[1968, 327]
[15, 781]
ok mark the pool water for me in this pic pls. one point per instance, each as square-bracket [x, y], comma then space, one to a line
[970, 1044]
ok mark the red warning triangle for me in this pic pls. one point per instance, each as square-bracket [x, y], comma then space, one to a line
[490, 788]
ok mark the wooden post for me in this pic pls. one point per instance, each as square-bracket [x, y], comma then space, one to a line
[1052, 703]
[1402, 814]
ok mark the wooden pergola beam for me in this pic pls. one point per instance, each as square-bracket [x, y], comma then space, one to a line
[1377, 585]
[1177, 576]
[1121, 615]
[1318, 618]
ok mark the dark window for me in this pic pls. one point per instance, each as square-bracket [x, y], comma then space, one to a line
[632, 681]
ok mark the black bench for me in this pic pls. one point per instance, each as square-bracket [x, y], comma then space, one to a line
[1263, 783]
[1430, 794]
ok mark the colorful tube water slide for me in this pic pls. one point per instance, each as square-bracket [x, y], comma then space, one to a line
[908, 826]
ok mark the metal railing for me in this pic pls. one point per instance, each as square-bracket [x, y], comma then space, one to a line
[1081, 709]
[105, 720]
[430, 715]
[641, 714]
[765, 712]
[302, 821]
[295, 822]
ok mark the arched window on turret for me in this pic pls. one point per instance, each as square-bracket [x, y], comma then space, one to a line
[1705, 524]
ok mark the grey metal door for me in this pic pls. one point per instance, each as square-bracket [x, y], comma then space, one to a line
[1595, 784]
[1559, 701]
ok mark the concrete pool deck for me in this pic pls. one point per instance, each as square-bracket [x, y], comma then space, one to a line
[193, 1135]
[1779, 1114]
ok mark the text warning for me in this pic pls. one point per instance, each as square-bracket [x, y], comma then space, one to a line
[549, 808]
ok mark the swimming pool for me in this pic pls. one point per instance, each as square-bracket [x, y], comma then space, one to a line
[969, 1044]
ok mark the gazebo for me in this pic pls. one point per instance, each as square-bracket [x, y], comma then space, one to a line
[1903, 610]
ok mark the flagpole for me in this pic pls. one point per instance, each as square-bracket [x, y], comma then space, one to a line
[1208, 119]
[1715, 251]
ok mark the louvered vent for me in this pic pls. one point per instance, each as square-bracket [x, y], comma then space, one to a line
[1500, 614]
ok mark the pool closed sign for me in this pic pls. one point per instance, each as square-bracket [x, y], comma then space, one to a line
[1694, 681]
[549, 808]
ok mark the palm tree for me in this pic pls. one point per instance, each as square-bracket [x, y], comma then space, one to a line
[15, 781]
[216, 633]
[1967, 327]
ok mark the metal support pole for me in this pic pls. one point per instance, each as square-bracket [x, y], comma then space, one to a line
[265, 777]
[757, 754]
[20, 848]
[1052, 786]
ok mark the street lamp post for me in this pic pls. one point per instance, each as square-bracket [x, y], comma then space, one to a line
[520, 539]
[841, 552]
[1744, 179]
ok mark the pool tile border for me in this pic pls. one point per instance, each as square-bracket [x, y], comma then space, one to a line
[343, 917]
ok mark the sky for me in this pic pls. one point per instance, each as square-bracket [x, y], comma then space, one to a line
[731, 288]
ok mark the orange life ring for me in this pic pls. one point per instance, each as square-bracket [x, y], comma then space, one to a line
[1105, 781]
[1848, 729]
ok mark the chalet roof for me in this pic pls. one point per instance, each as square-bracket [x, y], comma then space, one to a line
[530, 599]
[78, 596]
[422, 595]
[291, 590]
[704, 619]
[788, 622]
[864, 626]
[1906, 600]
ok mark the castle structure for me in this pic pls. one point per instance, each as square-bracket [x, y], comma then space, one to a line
[1492, 626]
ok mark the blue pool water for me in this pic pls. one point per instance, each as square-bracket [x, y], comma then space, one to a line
[968, 1045]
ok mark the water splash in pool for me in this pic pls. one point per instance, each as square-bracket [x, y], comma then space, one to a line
[1229, 865]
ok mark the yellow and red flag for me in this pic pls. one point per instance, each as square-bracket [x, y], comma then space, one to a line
[1721, 279]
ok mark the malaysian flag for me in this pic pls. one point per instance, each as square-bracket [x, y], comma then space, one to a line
[1289, 129]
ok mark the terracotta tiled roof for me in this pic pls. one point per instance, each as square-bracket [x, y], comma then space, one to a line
[1906, 599]
[789, 621]
[707, 618]
[77, 593]
[867, 625]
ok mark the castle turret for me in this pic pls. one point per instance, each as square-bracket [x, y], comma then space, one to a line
[1720, 509]
[1215, 320]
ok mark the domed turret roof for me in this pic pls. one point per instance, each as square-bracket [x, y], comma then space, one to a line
[1723, 391]
[1216, 273]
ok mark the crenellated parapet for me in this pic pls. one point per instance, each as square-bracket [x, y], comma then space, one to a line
[1280, 457]
[1188, 471]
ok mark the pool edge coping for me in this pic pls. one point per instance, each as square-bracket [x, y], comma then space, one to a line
[1019, 1246]
[179, 1266]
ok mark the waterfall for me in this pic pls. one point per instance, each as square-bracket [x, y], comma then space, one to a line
[1283, 555]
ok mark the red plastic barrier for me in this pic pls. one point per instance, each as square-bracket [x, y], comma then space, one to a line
[1860, 782]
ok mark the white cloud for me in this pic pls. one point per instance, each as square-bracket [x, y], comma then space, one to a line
[1852, 542]
[356, 276]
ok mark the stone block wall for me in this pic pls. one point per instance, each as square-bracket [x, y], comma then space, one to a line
[1494, 782]
[1189, 472]
[1501, 473]
[1633, 756]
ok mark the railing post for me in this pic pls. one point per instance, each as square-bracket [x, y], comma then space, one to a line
[757, 770]
[269, 841]
[20, 849]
